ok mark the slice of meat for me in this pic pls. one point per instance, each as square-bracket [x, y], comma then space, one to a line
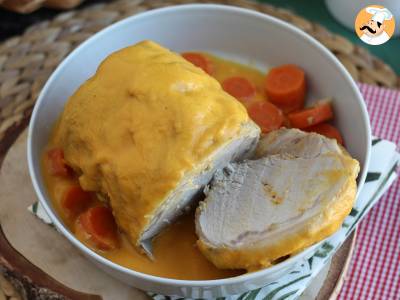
[260, 210]
[296, 142]
[241, 147]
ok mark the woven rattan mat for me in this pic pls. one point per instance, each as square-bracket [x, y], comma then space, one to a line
[26, 61]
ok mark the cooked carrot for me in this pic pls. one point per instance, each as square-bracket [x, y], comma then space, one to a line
[75, 200]
[288, 108]
[56, 163]
[319, 113]
[286, 122]
[98, 222]
[199, 60]
[239, 87]
[327, 130]
[266, 115]
[286, 85]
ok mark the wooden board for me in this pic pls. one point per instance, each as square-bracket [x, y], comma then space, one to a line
[42, 244]
[55, 255]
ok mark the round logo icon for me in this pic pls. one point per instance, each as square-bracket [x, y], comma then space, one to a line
[374, 25]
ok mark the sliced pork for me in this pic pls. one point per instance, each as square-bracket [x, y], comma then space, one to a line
[296, 193]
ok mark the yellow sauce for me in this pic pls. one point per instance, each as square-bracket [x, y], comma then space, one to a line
[224, 69]
[143, 122]
[175, 250]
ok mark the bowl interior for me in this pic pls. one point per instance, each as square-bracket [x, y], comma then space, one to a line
[233, 33]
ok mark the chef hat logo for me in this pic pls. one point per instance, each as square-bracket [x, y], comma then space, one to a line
[379, 14]
[374, 25]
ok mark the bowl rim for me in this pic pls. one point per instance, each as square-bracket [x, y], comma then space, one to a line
[152, 13]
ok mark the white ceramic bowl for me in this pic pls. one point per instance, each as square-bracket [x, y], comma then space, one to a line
[240, 34]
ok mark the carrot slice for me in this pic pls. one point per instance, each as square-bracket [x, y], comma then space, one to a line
[75, 200]
[286, 122]
[286, 85]
[56, 163]
[199, 60]
[239, 87]
[288, 108]
[319, 113]
[327, 130]
[266, 115]
[99, 224]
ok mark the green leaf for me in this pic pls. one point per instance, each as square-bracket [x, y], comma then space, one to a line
[287, 295]
[242, 296]
[310, 260]
[324, 251]
[353, 212]
[253, 294]
[321, 254]
[35, 207]
[345, 225]
[372, 199]
[372, 176]
[375, 141]
[272, 294]
[328, 247]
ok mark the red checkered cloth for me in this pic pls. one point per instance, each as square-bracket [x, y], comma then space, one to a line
[375, 266]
